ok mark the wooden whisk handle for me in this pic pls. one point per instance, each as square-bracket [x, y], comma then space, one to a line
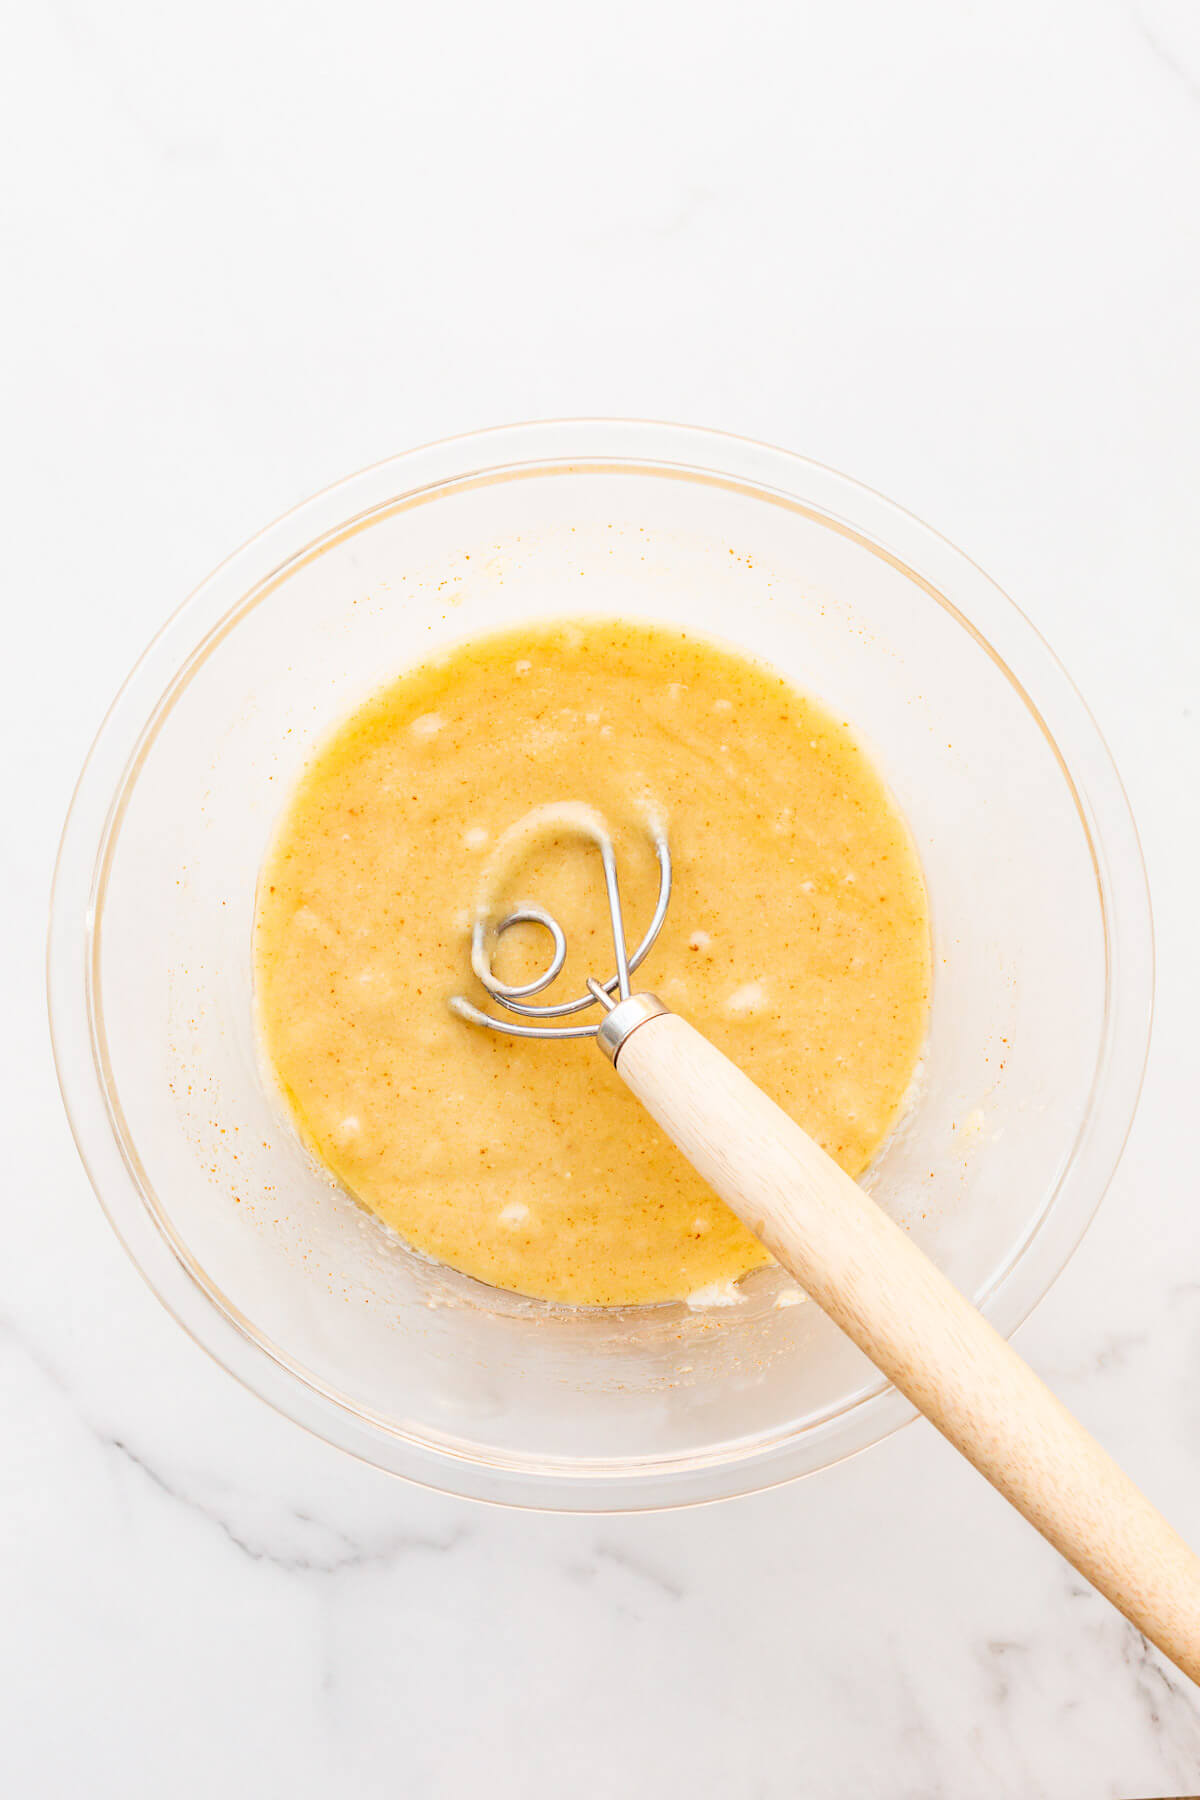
[885, 1294]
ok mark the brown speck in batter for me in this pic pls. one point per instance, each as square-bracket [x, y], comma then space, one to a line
[360, 942]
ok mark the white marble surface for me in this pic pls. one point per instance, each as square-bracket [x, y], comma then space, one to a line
[952, 248]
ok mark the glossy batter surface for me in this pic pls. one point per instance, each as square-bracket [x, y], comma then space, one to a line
[797, 939]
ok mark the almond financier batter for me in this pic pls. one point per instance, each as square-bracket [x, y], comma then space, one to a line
[797, 939]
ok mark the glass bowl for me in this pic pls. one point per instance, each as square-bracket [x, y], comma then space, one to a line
[1042, 945]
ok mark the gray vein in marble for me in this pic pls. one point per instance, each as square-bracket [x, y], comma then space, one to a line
[917, 1735]
[1006, 1667]
[340, 1551]
[104, 63]
[1113, 1352]
[693, 202]
[344, 1554]
[643, 1570]
[997, 1660]
[636, 1566]
[674, 222]
[1165, 55]
[1170, 1703]
[29, 1350]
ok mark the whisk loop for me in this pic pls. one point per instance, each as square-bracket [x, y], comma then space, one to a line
[516, 997]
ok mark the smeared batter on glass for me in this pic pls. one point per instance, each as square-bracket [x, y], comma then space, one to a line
[797, 939]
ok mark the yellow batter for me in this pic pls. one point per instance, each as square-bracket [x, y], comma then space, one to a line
[797, 939]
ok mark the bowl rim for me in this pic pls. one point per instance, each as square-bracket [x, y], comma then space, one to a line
[425, 473]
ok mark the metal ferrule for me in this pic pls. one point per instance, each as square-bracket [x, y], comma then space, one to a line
[619, 1025]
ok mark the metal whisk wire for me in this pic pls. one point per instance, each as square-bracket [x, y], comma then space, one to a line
[515, 997]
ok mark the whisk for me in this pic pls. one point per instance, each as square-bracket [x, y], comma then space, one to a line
[860, 1267]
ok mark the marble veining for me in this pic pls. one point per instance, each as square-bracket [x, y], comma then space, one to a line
[313, 1546]
[952, 250]
[1155, 36]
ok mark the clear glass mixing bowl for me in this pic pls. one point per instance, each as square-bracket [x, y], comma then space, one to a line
[1043, 958]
